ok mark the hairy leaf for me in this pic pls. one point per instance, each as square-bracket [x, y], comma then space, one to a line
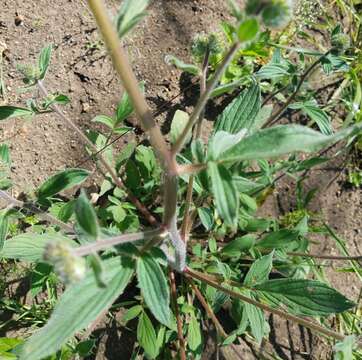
[189, 68]
[241, 112]
[80, 304]
[226, 197]
[130, 13]
[259, 270]
[282, 139]
[305, 297]
[44, 60]
[279, 239]
[86, 217]
[4, 227]
[179, 121]
[29, 246]
[61, 181]
[5, 154]
[154, 287]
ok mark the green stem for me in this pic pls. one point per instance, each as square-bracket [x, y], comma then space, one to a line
[204, 98]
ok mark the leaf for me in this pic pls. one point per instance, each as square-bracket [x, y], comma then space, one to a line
[130, 13]
[305, 297]
[236, 246]
[224, 88]
[262, 116]
[4, 227]
[105, 120]
[241, 112]
[222, 141]
[124, 108]
[7, 112]
[146, 336]
[248, 29]
[30, 247]
[259, 270]
[131, 313]
[154, 287]
[272, 71]
[226, 197]
[344, 349]
[5, 154]
[44, 60]
[206, 217]
[61, 181]
[244, 185]
[282, 139]
[79, 305]
[319, 116]
[256, 320]
[189, 68]
[179, 121]
[279, 239]
[194, 339]
[86, 217]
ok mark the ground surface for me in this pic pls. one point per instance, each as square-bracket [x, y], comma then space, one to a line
[81, 70]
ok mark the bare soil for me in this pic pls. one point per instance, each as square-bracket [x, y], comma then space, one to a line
[81, 69]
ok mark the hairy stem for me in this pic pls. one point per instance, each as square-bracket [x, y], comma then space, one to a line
[204, 98]
[130, 82]
[180, 336]
[314, 327]
[117, 240]
[197, 133]
[149, 217]
[34, 209]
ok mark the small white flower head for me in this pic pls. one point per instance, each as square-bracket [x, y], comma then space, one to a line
[70, 267]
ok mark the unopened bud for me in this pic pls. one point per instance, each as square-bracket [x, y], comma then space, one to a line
[70, 267]
[340, 42]
[205, 42]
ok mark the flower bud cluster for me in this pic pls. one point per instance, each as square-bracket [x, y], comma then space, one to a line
[70, 267]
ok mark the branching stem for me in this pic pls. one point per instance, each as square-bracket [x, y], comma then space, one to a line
[314, 327]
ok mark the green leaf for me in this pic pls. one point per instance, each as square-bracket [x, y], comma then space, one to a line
[30, 247]
[179, 121]
[241, 112]
[305, 297]
[194, 339]
[96, 264]
[282, 139]
[319, 116]
[224, 88]
[344, 349]
[130, 13]
[4, 227]
[261, 118]
[5, 154]
[124, 109]
[189, 68]
[256, 320]
[259, 270]
[7, 112]
[222, 141]
[206, 217]
[272, 71]
[248, 29]
[79, 305]
[154, 287]
[236, 246]
[61, 181]
[105, 120]
[226, 197]
[44, 60]
[86, 217]
[244, 185]
[146, 336]
[279, 239]
[132, 313]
